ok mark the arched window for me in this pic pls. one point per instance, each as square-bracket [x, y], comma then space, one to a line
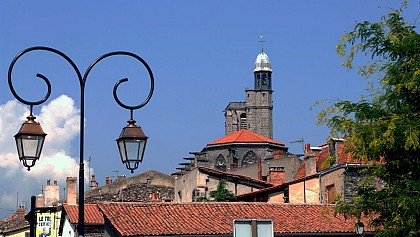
[249, 158]
[220, 163]
[264, 79]
[243, 124]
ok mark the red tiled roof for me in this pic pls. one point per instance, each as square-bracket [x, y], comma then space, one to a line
[13, 223]
[342, 157]
[244, 136]
[152, 219]
[301, 171]
[92, 214]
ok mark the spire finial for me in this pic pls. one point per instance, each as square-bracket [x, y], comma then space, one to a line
[262, 41]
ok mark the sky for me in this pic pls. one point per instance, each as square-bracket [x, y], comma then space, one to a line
[202, 55]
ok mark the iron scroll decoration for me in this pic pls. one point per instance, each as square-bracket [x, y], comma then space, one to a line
[82, 82]
[83, 79]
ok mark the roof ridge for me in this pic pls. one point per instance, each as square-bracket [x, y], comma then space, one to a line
[244, 136]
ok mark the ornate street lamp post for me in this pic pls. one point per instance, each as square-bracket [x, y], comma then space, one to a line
[30, 138]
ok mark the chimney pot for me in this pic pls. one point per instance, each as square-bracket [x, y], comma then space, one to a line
[71, 190]
[307, 147]
[276, 175]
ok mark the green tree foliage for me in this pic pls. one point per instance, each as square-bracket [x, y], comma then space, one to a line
[221, 194]
[383, 127]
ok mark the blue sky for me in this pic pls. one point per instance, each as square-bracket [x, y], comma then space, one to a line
[201, 54]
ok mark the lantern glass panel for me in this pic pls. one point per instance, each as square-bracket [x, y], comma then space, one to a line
[19, 146]
[122, 149]
[359, 228]
[29, 162]
[32, 145]
[134, 149]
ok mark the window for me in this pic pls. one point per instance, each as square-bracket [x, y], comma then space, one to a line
[180, 195]
[249, 158]
[331, 193]
[243, 124]
[220, 163]
[264, 79]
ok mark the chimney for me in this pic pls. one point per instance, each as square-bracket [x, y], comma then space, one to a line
[52, 193]
[276, 175]
[71, 190]
[121, 177]
[21, 212]
[40, 200]
[106, 180]
[277, 154]
[310, 161]
[92, 182]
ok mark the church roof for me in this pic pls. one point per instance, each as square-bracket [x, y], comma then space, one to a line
[262, 62]
[244, 136]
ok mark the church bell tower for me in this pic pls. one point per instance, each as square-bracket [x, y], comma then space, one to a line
[256, 113]
[259, 101]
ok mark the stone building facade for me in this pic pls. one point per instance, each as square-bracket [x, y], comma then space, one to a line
[256, 113]
[148, 186]
[197, 184]
[236, 151]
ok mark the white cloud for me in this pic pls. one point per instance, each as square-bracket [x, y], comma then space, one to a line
[60, 120]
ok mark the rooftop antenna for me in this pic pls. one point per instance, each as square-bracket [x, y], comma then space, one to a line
[115, 171]
[262, 41]
[302, 142]
[90, 183]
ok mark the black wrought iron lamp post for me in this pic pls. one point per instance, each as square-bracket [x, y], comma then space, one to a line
[30, 138]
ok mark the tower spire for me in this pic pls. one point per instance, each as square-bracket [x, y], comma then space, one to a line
[262, 41]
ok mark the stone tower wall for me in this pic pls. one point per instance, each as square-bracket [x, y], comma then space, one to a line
[259, 106]
[233, 114]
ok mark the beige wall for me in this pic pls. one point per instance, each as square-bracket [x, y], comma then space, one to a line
[277, 197]
[184, 186]
[296, 193]
[306, 191]
[188, 183]
[312, 191]
[333, 178]
[20, 233]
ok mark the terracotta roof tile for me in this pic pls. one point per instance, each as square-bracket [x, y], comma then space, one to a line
[92, 214]
[244, 136]
[301, 171]
[147, 219]
[342, 157]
